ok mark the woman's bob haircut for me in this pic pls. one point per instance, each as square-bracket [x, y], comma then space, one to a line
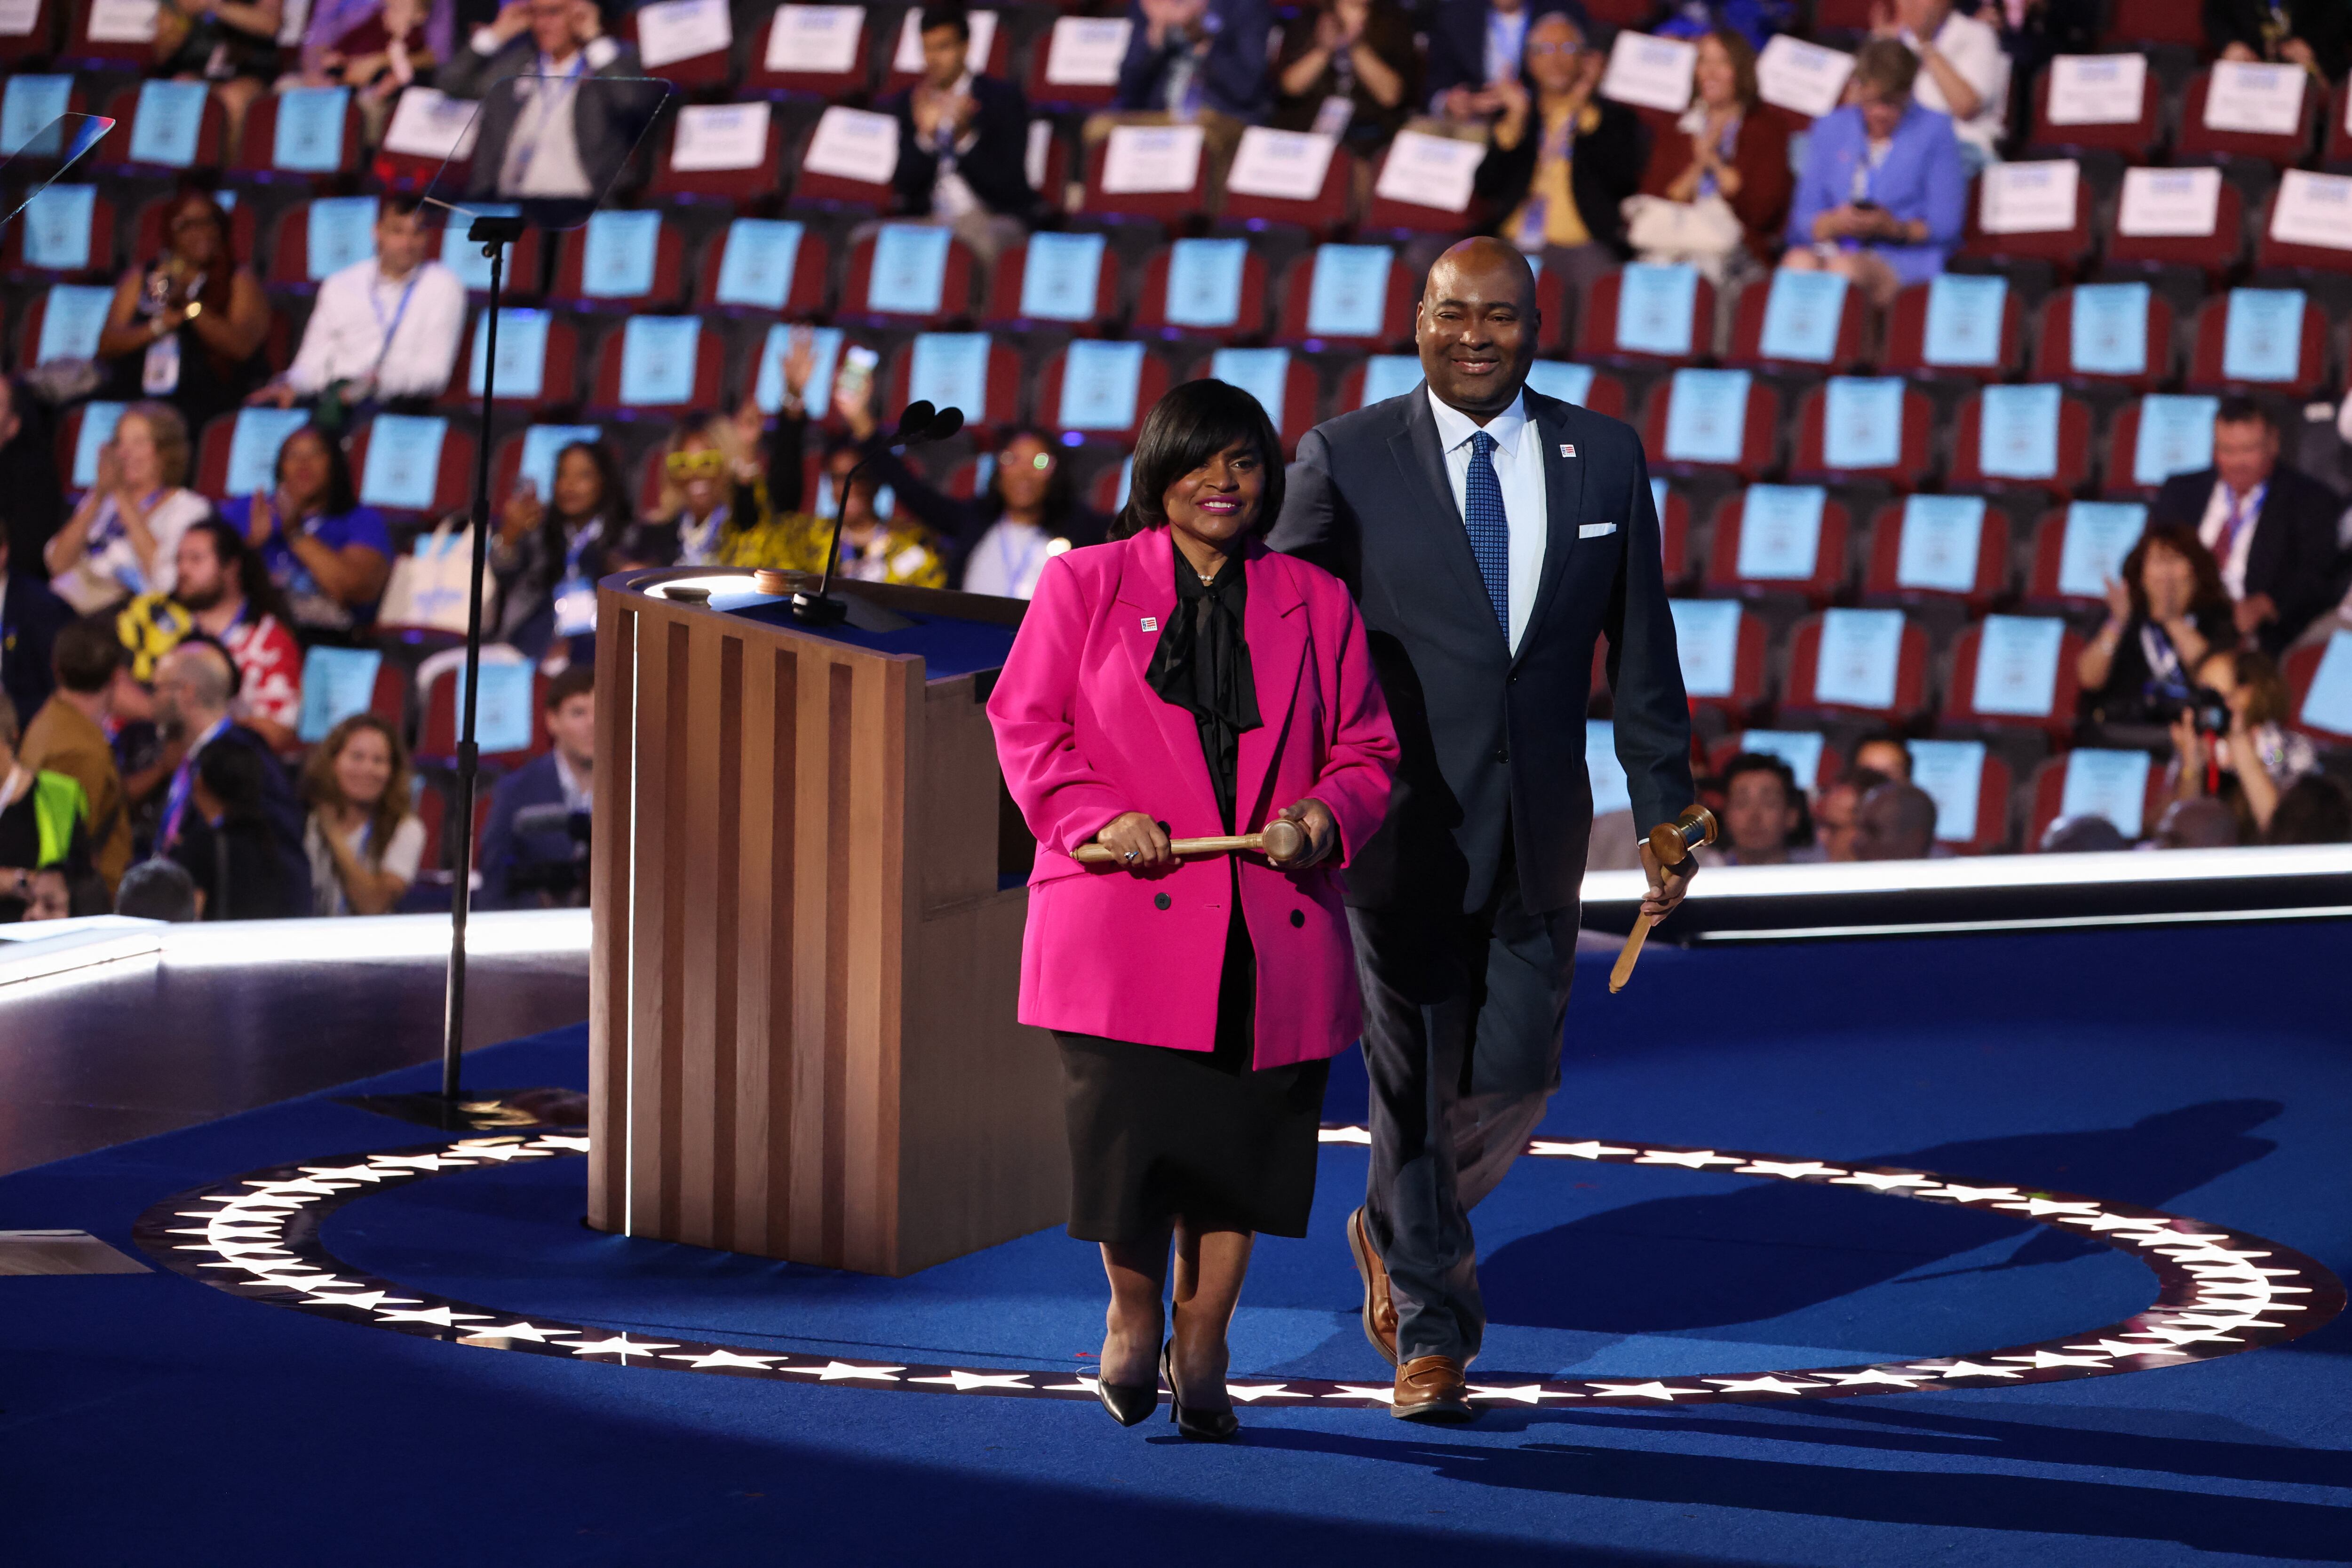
[1193, 423]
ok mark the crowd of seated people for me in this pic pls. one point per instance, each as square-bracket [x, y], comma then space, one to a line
[189, 612]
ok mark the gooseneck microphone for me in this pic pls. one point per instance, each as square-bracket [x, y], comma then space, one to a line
[919, 423]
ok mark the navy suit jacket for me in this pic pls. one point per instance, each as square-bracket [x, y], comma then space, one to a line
[2293, 555]
[997, 166]
[1235, 76]
[30, 619]
[504, 851]
[1493, 739]
[1458, 43]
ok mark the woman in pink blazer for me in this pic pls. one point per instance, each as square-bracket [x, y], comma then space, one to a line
[1182, 682]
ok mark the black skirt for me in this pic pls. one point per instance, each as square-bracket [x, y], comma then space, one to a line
[1157, 1133]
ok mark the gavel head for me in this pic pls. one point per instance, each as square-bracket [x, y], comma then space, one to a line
[1672, 842]
[1283, 839]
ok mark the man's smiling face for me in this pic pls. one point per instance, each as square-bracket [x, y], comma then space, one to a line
[1477, 327]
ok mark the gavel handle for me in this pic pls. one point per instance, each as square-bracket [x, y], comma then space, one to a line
[1624, 971]
[1242, 844]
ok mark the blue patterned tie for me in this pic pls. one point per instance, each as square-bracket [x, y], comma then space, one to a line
[1490, 530]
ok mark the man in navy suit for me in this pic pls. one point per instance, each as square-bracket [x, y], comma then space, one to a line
[963, 141]
[1492, 536]
[30, 619]
[1473, 44]
[548, 867]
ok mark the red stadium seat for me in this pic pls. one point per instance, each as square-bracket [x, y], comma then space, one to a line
[1907, 339]
[1247, 318]
[79, 476]
[1598, 337]
[955, 284]
[1106, 492]
[2072, 456]
[2049, 793]
[2134, 139]
[801, 294]
[257, 155]
[2301, 669]
[1091, 303]
[1396, 215]
[2039, 650]
[148, 239]
[1915, 455]
[102, 54]
[1990, 831]
[42, 95]
[2336, 141]
[433, 809]
[2176, 24]
[704, 392]
[558, 368]
[574, 287]
[1074, 65]
[1674, 529]
[1908, 686]
[1828, 770]
[1001, 394]
[64, 234]
[991, 51]
[437, 740]
[1151, 383]
[293, 269]
[2123, 448]
[2198, 141]
[1743, 696]
[1883, 578]
[765, 178]
[1319, 214]
[506, 459]
[1281, 381]
[2044, 579]
[217, 441]
[1758, 447]
[39, 38]
[2329, 253]
[1390, 313]
[91, 302]
[2053, 354]
[2208, 366]
[782, 65]
[706, 70]
[1169, 208]
[522, 283]
[1724, 573]
[829, 188]
[450, 481]
[2066, 250]
[2214, 253]
[1849, 350]
[122, 149]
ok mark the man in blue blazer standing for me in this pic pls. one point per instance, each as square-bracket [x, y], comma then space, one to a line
[1491, 535]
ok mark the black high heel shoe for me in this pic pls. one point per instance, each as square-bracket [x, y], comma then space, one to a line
[1128, 1403]
[1200, 1425]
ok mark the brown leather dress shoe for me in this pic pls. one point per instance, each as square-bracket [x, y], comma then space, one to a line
[1431, 1388]
[1380, 1308]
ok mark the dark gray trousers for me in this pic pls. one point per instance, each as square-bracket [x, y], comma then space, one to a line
[1462, 1041]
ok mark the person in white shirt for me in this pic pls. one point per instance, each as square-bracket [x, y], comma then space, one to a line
[123, 539]
[1962, 70]
[362, 841]
[383, 329]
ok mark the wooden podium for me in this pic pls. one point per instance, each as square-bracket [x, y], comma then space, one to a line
[807, 942]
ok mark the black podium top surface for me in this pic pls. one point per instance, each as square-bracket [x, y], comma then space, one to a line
[949, 646]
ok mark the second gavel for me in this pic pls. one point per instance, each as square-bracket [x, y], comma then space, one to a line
[1281, 839]
[1669, 845]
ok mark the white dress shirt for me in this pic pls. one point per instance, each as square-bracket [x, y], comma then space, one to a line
[355, 307]
[1974, 50]
[1518, 463]
[2216, 522]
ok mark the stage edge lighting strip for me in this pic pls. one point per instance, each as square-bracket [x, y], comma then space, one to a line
[2220, 1291]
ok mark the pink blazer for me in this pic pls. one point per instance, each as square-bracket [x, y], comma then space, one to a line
[1084, 739]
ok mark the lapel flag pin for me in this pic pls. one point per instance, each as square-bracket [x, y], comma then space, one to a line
[1151, 622]
[1567, 449]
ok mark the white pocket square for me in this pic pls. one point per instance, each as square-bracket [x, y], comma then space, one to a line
[1595, 530]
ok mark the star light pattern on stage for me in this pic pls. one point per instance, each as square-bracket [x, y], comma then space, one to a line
[2221, 1293]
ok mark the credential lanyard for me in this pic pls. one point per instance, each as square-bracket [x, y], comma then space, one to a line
[547, 103]
[399, 311]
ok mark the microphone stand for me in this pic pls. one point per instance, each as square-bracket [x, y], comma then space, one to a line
[919, 423]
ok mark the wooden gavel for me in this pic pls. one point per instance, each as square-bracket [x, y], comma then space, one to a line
[1282, 840]
[1669, 844]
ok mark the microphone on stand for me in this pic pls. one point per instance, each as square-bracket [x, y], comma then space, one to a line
[919, 423]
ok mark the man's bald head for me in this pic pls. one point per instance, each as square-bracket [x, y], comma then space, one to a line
[1894, 822]
[1476, 326]
[193, 684]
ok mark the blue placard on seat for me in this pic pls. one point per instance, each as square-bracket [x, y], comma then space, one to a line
[337, 682]
[909, 270]
[1964, 317]
[1348, 295]
[466, 260]
[2017, 665]
[1610, 790]
[1707, 639]
[543, 444]
[2176, 437]
[2108, 328]
[1860, 653]
[617, 260]
[950, 370]
[1861, 422]
[1781, 533]
[825, 351]
[404, 461]
[165, 126]
[658, 356]
[339, 231]
[1554, 378]
[28, 105]
[522, 354]
[1394, 375]
[2016, 432]
[1100, 383]
[1061, 276]
[1952, 772]
[2328, 704]
[1801, 316]
[1801, 749]
[2098, 535]
[1707, 416]
[98, 422]
[310, 137]
[1656, 307]
[1263, 374]
[502, 706]
[57, 222]
[253, 445]
[1204, 282]
[1939, 543]
[72, 316]
[758, 262]
[2113, 784]
[2263, 338]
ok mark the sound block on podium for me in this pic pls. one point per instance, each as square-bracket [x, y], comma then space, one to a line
[809, 895]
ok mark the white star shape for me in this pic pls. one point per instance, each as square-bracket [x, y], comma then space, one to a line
[1590, 1148]
[725, 1358]
[499, 1151]
[837, 1370]
[1527, 1394]
[620, 1345]
[1878, 1374]
[1883, 1183]
[2117, 1348]
[1765, 1384]
[1344, 1135]
[366, 1301]
[1251, 1393]
[226, 1232]
[1385, 1394]
[1960, 1194]
[2101, 1223]
[563, 1141]
[345, 1172]
[1971, 1369]
[967, 1381]
[2188, 1336]
[525, 1330]
[1792, 1169]
[1693, 1159]
[2040, 1359]
[2038, 1208]
[1651, 1390]
[300, 1185]
[1085, 1385]
[444, 1316]
[413, 1163]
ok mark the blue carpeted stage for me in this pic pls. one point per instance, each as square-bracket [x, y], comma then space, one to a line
[2206, 1073]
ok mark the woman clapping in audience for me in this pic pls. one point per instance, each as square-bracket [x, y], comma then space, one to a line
[2165, 614]
[363, 842]
[124, 538]
[329, 555]
[548, 558]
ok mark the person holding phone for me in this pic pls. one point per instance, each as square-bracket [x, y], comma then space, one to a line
[1882, 194]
